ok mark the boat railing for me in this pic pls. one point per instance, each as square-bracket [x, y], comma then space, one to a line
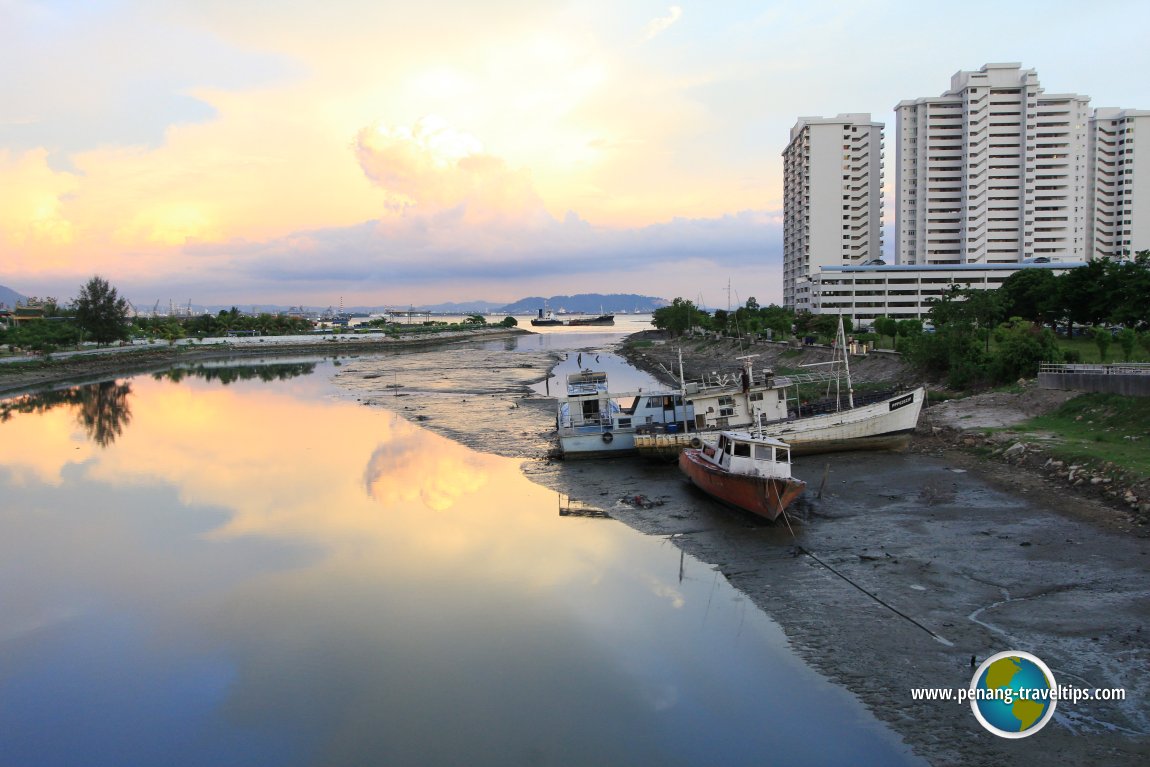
[1114, 368]
[818, 376]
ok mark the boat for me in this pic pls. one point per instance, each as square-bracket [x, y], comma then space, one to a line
[772, 406]
[591, 421]
[744, 470]
[546, 318]
[602, 319]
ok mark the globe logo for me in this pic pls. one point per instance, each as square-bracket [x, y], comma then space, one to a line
[1013, 694]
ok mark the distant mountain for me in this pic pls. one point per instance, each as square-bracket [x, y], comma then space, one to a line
[587, 303]
[463, 307]
[10, 298]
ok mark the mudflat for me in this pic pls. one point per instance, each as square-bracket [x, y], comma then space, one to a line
[896, 568]
[938, 556]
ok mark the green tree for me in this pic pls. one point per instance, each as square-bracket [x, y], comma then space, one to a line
[475, 319]
[679, 317]
[1020, 346]
[100, 312]
[1031, 294]
[1126, 340]
[171, 331]
[954, 350]
[885, 326]
[509, 322]
[1102, 339]
[1082, 293]
[909, 328]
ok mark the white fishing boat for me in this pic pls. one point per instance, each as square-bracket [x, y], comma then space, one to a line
[593, 421]
[775, 406]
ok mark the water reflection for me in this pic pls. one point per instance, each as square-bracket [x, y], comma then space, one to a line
[227, 374]
[263, 574]
[100, 408]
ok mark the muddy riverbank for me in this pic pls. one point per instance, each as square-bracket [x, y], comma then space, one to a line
[112, 361]
[977, 556]
[982, 562]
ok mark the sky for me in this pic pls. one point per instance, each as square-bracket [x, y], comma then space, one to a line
[385, 153]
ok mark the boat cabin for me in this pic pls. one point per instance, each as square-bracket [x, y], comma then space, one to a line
[748, 455]
[589, 405]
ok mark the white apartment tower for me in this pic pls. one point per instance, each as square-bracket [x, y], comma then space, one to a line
[1119, 187]
[993, 171]
[832, 196]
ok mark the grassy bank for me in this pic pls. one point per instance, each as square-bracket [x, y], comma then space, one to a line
[1099, 428]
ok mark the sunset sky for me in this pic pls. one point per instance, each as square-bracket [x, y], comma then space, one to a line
[389, 153]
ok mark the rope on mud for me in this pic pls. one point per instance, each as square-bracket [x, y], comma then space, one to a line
[876, 598]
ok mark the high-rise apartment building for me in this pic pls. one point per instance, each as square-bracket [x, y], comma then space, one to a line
[832, 196]
[993, 171]
[1119, 187]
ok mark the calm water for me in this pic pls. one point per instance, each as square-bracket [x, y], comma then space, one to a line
[250, 569]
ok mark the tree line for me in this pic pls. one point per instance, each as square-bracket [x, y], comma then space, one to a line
[973, 337]
[101, 315]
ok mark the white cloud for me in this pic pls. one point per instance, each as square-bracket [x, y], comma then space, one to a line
[660, 25]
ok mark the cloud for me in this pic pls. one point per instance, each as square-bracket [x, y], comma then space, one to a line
[435, 255]
[431, 168]
[660, 25]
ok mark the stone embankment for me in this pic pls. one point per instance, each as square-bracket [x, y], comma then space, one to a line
[1099, 479]
[981, 425]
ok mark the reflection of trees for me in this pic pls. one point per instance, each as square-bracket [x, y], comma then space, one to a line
[104, 410]
[232, 373]
[101, 408]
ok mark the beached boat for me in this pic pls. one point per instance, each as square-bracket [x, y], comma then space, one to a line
[593, 421]
[777, 406]
[743, 470]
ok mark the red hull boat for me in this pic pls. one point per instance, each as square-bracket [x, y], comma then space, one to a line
[747, 472]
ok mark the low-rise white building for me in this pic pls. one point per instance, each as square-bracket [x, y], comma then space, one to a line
[898, 291]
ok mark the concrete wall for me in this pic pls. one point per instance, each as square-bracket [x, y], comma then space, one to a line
[1129, 385]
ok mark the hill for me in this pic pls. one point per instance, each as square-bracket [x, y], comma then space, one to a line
[588, 303]
[10, 298]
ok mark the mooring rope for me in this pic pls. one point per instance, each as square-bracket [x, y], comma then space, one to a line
[876, 598]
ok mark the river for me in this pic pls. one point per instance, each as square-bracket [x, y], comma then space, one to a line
[239, 565]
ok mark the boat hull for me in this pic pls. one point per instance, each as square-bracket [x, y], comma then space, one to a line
[885, 425]
[597, 444]
[767, 497]
[604, 319]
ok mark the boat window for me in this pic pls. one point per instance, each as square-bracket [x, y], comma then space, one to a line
[742, 449]
[590, 408]
[757, 396]
[784, 456]
[655, 402]
[624, 423]
[763, 453]
[722, 443]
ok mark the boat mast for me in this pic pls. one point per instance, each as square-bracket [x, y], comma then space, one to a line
[842, 339]
[683, 394]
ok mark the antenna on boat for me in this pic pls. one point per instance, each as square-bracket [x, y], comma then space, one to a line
[842, 339]
[683, 394]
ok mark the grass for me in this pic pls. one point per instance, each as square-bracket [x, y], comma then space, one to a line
[1100, 428]
[1089, 350]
